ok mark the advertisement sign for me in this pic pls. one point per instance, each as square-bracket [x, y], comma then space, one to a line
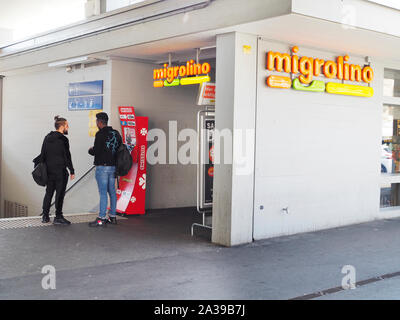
[209, 126]
[131, 194]
[206, 94]
[128, 124]
[205, 166]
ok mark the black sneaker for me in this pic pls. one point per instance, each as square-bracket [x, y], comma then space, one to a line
[112, 220]
[61, 220]
[45, 218]
[98, 223]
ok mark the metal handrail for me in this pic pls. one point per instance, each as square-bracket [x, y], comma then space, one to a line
[86, 173]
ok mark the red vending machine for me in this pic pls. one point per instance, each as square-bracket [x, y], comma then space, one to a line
[131, 194]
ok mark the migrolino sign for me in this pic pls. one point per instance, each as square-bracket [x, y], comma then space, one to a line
[191, 73]
[308, 67]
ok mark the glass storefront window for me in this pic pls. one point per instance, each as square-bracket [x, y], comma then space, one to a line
[391, 84]
[390, 195]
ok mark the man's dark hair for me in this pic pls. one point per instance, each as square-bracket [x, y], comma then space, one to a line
[102, 117]
[58, 122]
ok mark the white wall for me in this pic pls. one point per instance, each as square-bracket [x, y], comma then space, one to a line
[30, 102]
[316, 153]
[168, 185]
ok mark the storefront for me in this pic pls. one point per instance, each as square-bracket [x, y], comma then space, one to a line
[306, 116]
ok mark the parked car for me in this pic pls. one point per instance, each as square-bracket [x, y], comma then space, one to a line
[386, 159]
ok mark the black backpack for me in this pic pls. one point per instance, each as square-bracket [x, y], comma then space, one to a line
[123, 161]
[39, 172]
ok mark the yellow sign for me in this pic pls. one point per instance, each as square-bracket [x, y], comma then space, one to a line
[92, 122]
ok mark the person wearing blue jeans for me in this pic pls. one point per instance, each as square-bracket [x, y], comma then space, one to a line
[106, 144]
[105, 177]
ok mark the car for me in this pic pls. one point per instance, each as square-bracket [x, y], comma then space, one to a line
[386, 159]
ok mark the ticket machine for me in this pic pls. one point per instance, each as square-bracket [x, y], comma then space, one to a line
[131, 193]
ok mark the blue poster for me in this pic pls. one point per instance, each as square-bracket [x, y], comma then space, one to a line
[85, 88]
[85, 103]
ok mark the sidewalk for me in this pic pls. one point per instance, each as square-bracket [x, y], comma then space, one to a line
[154, 257]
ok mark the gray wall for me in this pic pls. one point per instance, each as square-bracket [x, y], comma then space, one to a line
[168, 185]
[30, 102]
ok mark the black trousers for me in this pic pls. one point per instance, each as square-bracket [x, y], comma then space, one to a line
[57, 181]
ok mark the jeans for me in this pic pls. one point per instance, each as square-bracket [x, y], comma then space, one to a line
[105, 177]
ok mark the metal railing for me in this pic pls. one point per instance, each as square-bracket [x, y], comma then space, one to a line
[79, 180]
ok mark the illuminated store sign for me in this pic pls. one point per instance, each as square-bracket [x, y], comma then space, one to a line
[309, 67]
[191, 73]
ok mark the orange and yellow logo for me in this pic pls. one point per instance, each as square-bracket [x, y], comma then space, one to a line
[308, 67]
[171, 76]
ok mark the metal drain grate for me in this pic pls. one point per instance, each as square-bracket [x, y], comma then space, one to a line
[27, 222]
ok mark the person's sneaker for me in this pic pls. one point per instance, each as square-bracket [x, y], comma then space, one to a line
[112, 220]
[98, 223]
[61, 220]
[45, 218]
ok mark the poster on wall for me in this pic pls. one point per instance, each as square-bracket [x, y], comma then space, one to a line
[93, 129]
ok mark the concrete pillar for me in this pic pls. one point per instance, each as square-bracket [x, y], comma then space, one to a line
[92, 8]
[235, 112]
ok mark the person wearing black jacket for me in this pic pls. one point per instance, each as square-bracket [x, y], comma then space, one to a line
[56, 154]
[106, 144]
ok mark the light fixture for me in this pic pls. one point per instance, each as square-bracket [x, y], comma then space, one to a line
[73, 61]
